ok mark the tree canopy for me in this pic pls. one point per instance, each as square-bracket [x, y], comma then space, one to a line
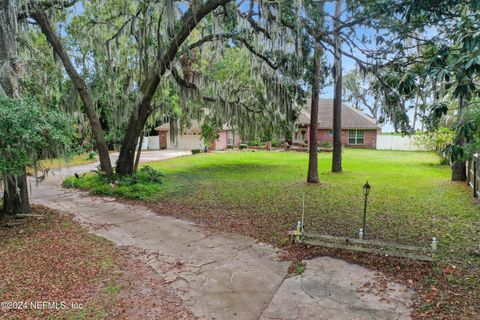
[119, 68]
[29, 132]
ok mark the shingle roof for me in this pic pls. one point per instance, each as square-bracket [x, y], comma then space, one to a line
[351, 118]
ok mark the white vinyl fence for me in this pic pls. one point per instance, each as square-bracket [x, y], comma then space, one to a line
[151, 143]
[182, 142]
[391, 142]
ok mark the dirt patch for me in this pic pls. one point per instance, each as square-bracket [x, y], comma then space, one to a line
[54, 268]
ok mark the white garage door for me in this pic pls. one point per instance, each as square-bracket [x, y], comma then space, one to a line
[185, 142]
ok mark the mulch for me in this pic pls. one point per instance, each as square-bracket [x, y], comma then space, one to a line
[56, 260]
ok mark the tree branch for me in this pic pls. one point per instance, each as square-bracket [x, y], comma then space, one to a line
[182, 82]
[26, 10]
[233, 36]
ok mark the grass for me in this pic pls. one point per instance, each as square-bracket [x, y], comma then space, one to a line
[76, 160]
[411, 201]
[260, 194]
[298, 268]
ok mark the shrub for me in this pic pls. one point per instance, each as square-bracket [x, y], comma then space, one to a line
[91, 155]
[255, 143]
[149, 174]
[436, 141]
[28, 131]
[195, 151]
[230, 146]
[145, 183]
[243, 146]
[276, 143]
[102, 175]
[326, 144]
[210, 131]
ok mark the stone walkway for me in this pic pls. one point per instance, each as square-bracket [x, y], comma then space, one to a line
[228, 276]
[332, 289]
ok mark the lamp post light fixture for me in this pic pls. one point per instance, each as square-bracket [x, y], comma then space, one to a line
[366, 191]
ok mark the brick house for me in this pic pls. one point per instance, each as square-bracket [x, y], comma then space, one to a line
[358, 129]
[190, 138]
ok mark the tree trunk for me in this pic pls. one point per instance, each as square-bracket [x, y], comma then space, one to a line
[139, 153]
[126, 158]
[459, 169]
[15, 195]
[138, 118]
[337, 100]
[15, 198]
[415, 112]
[81, 87]
[312, 176]
[417, 96]
[9, 66]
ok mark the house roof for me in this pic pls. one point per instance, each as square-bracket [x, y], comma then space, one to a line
[351, 118]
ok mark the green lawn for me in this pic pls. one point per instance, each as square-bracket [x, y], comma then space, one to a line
[411, 199]
[260, 194]
[76, 160]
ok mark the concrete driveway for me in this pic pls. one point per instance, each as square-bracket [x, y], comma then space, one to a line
[228, 276]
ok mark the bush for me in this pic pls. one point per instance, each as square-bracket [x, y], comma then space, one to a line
[196, 151]
[149, 174]
[243, 146]
[326, 144]
[91, 155]
[255, 143]
[276, 143]
[145, 183]
[28, 131]
[230, 146]
[210, 131]
[436, 141]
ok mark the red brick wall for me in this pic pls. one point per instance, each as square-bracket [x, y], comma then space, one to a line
[163, 139]
[236, 139]
[324, 136]
[370, 138]
[221, 142]
[212, 146]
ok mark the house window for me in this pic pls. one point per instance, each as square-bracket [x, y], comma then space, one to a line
[356, 136]
[330, 133]
[230, 139]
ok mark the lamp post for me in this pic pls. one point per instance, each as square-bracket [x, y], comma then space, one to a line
[366, 191]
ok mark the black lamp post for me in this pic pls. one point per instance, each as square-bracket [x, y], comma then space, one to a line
[366, 191]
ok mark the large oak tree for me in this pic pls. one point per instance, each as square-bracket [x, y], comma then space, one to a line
[15, 197]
